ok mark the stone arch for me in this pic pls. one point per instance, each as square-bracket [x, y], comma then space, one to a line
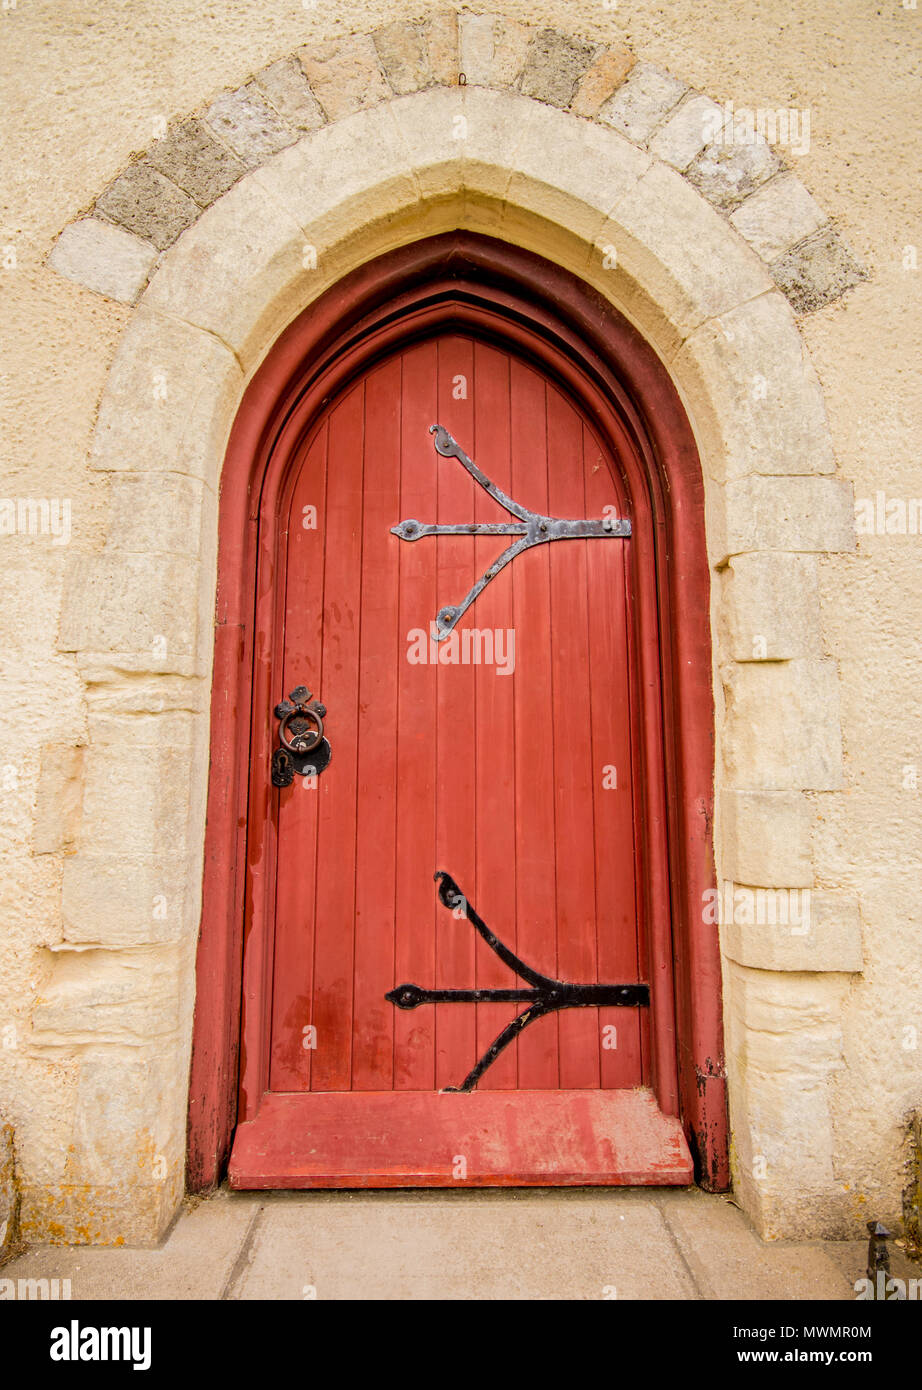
[139, 612]
[724, 154]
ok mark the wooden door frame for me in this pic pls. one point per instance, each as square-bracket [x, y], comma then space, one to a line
[474, 283]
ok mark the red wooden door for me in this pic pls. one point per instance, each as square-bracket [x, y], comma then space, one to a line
[504, 756]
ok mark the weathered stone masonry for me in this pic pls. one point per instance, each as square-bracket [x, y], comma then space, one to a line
[200, 157]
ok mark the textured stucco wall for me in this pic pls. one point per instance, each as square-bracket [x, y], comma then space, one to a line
[86, 89]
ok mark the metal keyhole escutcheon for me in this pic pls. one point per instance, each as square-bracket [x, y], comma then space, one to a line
[302, 750]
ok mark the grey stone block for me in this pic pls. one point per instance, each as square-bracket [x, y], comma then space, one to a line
[104, 258]
[778, 216]
[287, 90]
[475, 48]
[642, 101]
[249, 125]
[345, 75]
[196, 161]
[404, 57]
[682, 135]
[817, 270]
[149, 204]
[728, 173]
[771, 609]
[794, 929]
[765, 838]
[554, 65]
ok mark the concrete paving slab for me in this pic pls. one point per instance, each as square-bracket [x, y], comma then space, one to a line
[194, 1262]
[728, 1260]
[541, 1243]
[464, 1245]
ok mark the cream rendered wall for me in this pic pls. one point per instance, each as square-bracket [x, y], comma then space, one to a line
[85, 89]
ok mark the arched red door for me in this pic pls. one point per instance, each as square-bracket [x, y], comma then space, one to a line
[457, 956]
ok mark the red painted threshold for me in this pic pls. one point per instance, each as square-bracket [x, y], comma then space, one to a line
[416, 1139]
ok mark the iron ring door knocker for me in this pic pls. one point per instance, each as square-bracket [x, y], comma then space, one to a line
[303, 748]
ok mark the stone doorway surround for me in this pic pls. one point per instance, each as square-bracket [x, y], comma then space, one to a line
[226, 228]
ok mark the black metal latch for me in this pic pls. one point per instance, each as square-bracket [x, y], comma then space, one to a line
[545, 996]
[530, 527]
[303, 748]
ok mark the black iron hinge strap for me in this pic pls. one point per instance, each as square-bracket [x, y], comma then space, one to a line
[545, 996]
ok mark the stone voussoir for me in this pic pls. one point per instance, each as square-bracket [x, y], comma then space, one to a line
[104, 257]
[727, 173]
[442, 47]
[404, 55]
[196, 161]
[252, 128]
[492, 51]
[601, 80]
[778, 216]
[147, 203]
[287, 90]
[156, 198]
[476, 48]
[511, 42]
[554, 66]
[683, 134]
[817, 271]
[643, 100]
[345, 76]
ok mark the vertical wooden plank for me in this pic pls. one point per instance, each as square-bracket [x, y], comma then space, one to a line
[382, 651]
[415, 910]
[536, 876]
[612, 771]
[295, 900]
[570, 718]
[456, 1034]
[488, 625]
[334, 941]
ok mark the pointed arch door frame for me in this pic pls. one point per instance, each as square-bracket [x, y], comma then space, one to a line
[469, 281]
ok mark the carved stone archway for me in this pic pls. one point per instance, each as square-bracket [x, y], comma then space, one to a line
[384, 167]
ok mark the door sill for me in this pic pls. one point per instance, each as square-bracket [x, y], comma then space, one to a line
[362, 1139]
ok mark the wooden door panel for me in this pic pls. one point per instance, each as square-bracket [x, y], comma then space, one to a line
[448, 765]
[498, 779]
